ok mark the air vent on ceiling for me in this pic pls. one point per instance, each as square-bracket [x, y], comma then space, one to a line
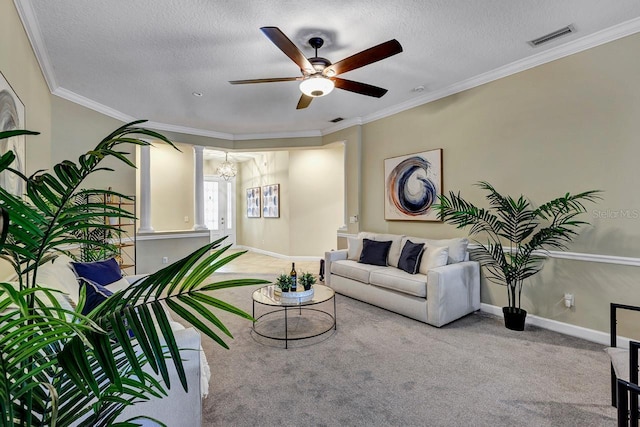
[336, 120]
[552, 36]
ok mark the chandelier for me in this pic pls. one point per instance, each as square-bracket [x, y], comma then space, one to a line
[227, 169]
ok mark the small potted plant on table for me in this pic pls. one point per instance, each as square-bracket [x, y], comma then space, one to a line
[284, 282]
[307, 280]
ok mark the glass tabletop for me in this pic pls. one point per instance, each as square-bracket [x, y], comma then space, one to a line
[266, 295]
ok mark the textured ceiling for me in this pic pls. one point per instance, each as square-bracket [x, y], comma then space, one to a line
[145, 58]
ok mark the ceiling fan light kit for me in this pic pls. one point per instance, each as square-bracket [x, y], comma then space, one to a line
[318, 74]
[316, 86]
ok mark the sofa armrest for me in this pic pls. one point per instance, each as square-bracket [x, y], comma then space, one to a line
[329, 257]
[453, 291]
[178, 407]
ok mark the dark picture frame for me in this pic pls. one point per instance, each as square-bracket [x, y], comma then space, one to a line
[271, 201]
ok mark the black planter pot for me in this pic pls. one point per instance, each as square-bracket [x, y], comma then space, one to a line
[514, 318]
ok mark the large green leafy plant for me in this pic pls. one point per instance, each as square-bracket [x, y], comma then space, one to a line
[60, 367]
[516, 232]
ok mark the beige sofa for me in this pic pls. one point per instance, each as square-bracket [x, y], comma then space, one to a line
[446, 287]
[178, 408]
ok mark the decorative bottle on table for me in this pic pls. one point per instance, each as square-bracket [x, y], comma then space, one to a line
[294, 277]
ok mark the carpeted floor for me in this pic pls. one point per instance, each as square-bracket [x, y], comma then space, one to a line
[382, 369]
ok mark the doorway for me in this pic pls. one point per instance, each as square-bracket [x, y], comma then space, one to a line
[220, 208]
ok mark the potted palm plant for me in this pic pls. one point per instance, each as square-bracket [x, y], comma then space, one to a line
[60, 367]
[516, 234]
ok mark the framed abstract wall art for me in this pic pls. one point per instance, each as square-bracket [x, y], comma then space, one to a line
[12, 118]
[253, 202]
[412, 184]
[271, 201]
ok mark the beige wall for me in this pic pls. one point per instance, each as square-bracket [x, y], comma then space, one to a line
[351, 139]
[172, 187]
[151, 249]
[76, 130]
[311, 206]
[316, 196]
[20, 68]
[269, 234]
[567, 126]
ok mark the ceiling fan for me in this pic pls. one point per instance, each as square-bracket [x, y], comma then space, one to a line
[319, 74]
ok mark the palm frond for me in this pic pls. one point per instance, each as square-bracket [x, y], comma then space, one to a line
[514, 222]
[60, 367]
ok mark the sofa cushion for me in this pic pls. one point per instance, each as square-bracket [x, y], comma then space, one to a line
[353, 270]
[434, 257]
[58, 275]
[457, 246]
[374, 253]
[396, 244]
[95, 294]
[401, 281]
[410, 257]
[100, 272]
[354, 248]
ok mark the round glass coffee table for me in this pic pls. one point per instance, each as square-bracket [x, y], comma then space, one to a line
[317, 320]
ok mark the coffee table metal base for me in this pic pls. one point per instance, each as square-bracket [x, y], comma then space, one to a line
[331, 317]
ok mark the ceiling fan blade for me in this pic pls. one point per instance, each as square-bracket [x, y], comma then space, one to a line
[366, 57]
[304, 101]
[361, 88]
[285, 45]
[276, 79]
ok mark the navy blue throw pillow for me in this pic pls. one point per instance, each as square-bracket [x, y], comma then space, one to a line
[100, 272]
[410, 257]
[374, 253]
[95, 294]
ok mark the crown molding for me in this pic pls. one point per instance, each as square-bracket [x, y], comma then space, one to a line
[275, 135]
[356, 121]
[30, 23]
[92, 105]
[587, 42]
[190, 131]
[32, 28]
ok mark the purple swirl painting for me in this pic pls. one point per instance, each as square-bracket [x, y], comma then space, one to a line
[412, 186]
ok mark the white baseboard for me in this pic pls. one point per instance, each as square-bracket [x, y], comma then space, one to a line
[563, 328]
[280, 256]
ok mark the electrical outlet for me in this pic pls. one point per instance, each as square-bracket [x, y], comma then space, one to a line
[186, 219]
[165, 260]
[569, 300]
[353, 219]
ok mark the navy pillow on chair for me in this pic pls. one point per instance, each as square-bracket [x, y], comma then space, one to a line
[410, 257]
[374, 253]
[95, 294]
[100, 272]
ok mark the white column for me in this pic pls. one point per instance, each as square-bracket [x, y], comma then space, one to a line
[145, 190]
[199, 186]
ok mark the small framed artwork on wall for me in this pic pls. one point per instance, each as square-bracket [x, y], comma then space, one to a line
[253, 202]
[412, 185]
[271, 201]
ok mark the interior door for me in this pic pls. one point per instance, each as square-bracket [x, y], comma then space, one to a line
[220, 208]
